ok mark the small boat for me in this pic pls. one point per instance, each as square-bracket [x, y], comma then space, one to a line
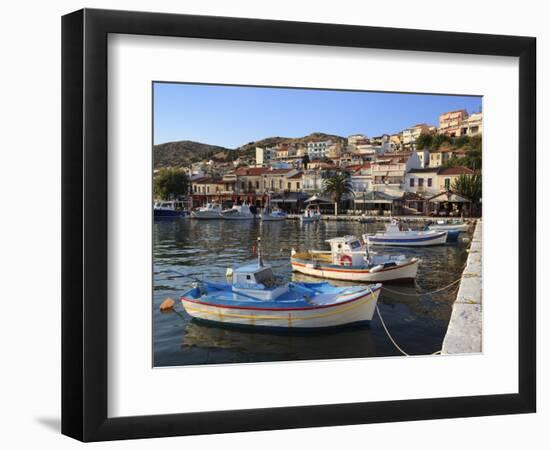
[256, 298]
[348, 259]
[396, 236]
[453, 228]
[209, 211]
[310, 215]
[168, 210]
[273, 215]
[237, 212]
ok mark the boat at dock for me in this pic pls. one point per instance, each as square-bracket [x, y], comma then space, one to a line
[396, 236]
[257, 298]
[169, 210]
[453, 228]
[209, 211]
[237, 212]
[349, 260]
[273, 215]
[310, 216]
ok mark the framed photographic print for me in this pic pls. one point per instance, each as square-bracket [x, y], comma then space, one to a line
[266, 224]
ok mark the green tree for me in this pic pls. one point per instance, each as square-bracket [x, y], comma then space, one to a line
[337, 186]
[439, 139]
[469, 186]
[170, 183]
[424, 141]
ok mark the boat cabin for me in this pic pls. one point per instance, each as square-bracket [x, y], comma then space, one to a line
[347, 251]
[258, 281]
[169, 205]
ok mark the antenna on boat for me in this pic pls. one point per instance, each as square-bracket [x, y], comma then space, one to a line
[260, 261]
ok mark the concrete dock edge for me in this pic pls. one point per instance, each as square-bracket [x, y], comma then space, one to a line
[464, 333]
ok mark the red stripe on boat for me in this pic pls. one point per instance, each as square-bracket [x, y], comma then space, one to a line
[305, 308]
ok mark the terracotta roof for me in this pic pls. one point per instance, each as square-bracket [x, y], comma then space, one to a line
[254, 171]
[459, 170]
[296, 176]
[207, 180]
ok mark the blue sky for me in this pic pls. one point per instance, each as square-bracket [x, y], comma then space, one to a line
[231, 116]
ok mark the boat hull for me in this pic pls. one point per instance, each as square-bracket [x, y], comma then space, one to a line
[273, 218]
[407, 271]
[205, 215]
[357, 310]
[167, 214]
[436, 238]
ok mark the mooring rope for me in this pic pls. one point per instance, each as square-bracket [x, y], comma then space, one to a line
[418, 294]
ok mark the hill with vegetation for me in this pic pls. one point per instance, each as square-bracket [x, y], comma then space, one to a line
[184, 153]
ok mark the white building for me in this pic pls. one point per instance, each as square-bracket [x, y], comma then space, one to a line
[265, 155]
[318, 150]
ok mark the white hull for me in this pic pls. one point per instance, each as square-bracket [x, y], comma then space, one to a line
[407, 271]
[359, 308]
[422, 239]
[235, 217]
[205, 215]
[461, 228]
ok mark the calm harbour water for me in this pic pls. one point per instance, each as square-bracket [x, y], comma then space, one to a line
[206, 248]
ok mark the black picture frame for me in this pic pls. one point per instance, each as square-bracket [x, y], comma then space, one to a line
[84, 224]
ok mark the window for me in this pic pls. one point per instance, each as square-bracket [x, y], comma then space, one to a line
[420, 182]
[411, 182]
[257, 185]
[298, 185]
[242, 185]
[429, 182]
[447, 183]
[288, 184]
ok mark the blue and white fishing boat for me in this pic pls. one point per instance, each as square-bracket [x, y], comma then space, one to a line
[453, 228]
[395, 236]
[273, 215]
[168, 210]
[350, 260]
[256, 298]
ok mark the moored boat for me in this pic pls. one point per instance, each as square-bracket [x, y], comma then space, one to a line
[349, 260]
[257, 298]
[453, 228]
[273, 215]
[310, 215]
[168, 210]
[396, 236]
[237, 212]
[209, 211]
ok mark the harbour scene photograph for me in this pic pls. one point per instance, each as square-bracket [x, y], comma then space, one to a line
[294, 224]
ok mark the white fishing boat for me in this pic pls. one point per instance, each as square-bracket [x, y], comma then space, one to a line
[396, 236]
[310, 215]
[169, 210]
[256, 298]
[273, 215]
[453, 225]
[349, 260]
[237, 212]
[209, 211]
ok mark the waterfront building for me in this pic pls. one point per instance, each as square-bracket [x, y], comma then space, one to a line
[424, 157]
[473, 125]
[441, 156]
[388, 172]
[361, 177]
[422, 180]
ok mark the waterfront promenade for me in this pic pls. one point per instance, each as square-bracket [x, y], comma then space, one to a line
[464, 330]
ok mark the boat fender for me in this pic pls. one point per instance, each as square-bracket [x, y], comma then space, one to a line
[345, 260]
[377, 268]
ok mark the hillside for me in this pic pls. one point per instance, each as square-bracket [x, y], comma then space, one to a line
[183, 153]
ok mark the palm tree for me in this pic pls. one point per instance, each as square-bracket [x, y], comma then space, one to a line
[338, 186]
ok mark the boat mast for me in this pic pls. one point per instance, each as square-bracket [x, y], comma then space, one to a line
[260, 261]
